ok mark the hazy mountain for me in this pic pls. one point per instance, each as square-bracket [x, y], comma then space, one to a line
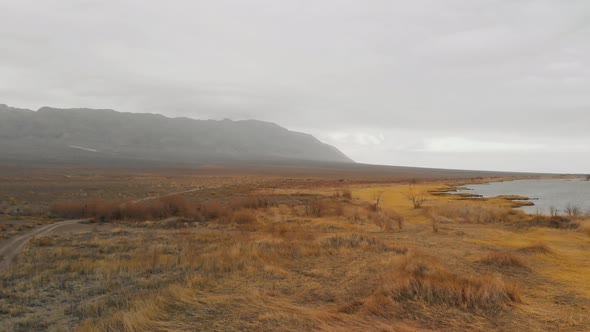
[86, 135]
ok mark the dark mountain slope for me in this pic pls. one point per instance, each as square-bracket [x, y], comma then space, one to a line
[101, 135]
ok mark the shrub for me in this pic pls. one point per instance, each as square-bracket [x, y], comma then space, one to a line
[347, 194]
[212, 210]
[377, 199]
[573, 210]
[418, 198]
[316, 207]
[243, 217]
[250, 202]
[107, 210]
[386, 220]
[554, 222]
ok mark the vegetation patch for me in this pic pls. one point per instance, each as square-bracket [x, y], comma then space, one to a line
[474, 213]
[558, 222]
[504, 260]
[536, 248]
[422, 279]
[359, 241]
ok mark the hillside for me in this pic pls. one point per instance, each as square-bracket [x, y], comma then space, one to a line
[92, 135]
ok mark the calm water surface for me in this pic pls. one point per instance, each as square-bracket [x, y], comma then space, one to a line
[556, 193]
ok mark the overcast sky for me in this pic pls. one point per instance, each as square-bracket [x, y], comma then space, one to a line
[486, 84]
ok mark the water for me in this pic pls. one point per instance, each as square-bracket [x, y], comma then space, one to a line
[557, 193]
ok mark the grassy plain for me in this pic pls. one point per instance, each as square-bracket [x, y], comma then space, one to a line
[281, 252]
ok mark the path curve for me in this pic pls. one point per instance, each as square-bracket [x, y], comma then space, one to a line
[166, 195]
[15, 245]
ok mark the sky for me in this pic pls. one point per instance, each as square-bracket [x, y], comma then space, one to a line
[487, 84]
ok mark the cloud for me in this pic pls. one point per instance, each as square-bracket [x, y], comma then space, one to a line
[459, 144]
[385, 81]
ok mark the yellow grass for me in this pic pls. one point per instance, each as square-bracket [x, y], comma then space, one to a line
[303, 257]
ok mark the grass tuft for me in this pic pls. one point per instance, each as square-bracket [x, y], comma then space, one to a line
[420, 278]
[503, 260]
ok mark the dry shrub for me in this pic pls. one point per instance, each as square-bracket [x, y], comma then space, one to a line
[558, 222]
[250, 202]
[355, 214]
[106, 210]
[212, 210]
[316, 207]
[102, 210]
[504, 259]
[243, 217]
[585, 227]
[385, 220]
[420, 278]
[346, 194]
[44, 241]
[472, 213]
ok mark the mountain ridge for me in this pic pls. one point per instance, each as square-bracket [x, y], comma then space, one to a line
[84, 134]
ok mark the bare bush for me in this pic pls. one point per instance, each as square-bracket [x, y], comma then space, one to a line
[573, 210]
[385, 220]
[374, 206]
[418, 198]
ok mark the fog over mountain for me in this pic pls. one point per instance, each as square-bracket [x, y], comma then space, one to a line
[85, 135]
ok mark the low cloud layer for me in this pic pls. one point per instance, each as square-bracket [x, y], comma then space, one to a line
[494, 84]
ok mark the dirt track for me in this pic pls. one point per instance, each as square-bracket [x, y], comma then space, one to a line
[13, 246]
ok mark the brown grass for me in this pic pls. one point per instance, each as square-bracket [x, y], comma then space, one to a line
[355, 241]
[246, 258]
[243, 217]
[558, 222]
[473, 213]
[420, 278]
[503, 260]
[536, 248]
[585, 227]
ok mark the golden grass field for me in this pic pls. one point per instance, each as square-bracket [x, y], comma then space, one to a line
[276, 253]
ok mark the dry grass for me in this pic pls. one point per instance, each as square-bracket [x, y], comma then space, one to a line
[469, 212]
[536, 248]
[304, 259]
[559, 222]
[504, 260]
[107, 210]
[243, 217]
[420, 278]
[585, 227]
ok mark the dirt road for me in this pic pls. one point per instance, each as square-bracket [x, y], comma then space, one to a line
[13, 246]
[166, 195]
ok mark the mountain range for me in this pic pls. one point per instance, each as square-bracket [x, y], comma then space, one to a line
[106, 136]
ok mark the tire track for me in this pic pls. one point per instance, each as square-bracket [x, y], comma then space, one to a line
[14, 246]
